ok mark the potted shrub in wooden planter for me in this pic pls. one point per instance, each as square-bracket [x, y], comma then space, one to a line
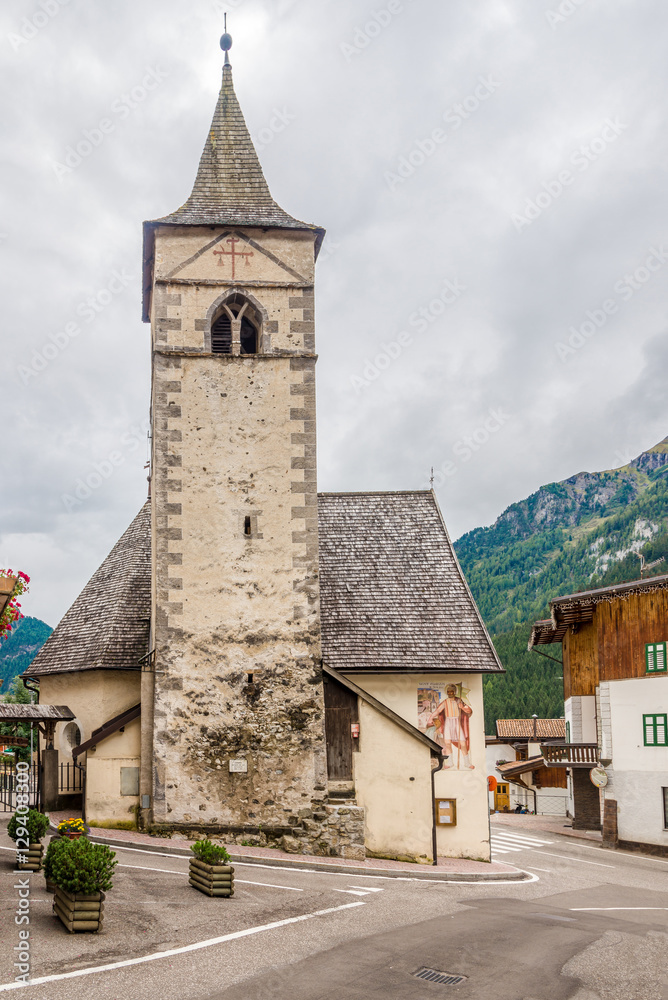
[209, 871]
[82, 874]
[36, 823]
[72, 828]
[55, 844]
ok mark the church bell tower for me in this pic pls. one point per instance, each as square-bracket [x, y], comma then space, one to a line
[232, 703]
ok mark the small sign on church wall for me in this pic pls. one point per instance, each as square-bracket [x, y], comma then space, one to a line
[238, 766]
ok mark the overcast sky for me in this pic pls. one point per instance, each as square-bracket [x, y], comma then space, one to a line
[491, 296]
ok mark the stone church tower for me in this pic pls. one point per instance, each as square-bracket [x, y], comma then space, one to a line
[232, 702]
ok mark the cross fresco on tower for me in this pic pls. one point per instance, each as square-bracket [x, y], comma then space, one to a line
[233, 254]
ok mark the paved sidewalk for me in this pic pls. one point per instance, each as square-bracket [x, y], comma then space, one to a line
[450, 869]
[547, 824]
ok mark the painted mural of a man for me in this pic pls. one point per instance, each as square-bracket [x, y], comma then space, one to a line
[451, 720]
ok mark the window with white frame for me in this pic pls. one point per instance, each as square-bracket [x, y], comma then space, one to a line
[655, 658]
[655, 729]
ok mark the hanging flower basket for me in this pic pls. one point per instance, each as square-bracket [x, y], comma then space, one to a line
[12, 585]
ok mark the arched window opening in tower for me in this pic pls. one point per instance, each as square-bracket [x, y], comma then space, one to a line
[236, 317]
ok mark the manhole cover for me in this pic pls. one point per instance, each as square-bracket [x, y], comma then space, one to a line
[441, 978]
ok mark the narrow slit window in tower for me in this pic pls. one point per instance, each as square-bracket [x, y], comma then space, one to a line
[247, 527]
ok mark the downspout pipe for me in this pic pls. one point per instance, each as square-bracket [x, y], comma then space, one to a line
[434, 846]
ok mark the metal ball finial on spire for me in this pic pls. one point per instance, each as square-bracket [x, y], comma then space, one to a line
[226, 43]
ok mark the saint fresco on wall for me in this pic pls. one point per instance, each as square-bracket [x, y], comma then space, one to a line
[443, 715]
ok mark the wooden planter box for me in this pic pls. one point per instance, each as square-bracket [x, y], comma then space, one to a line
[34, 856]
[212, 880]
[78, 912]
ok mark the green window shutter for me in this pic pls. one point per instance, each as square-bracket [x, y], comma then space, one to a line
[568, 732]
[648, 723]
[661, 730]
[655, 657]
[655, 730]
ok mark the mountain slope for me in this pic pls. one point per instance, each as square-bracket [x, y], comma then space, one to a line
[584, 532]
[19, 648]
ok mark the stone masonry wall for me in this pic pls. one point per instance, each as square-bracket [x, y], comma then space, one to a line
[236, 615]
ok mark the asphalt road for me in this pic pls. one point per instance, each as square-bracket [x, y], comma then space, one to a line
[593, 925]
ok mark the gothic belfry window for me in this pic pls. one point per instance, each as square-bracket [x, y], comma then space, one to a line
[237, 325]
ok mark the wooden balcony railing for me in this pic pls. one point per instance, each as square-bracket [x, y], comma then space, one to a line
[570, 754]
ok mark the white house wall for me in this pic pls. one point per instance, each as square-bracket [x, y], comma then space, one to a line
[580, 714]
[638, 773]
[392, 773]
[470, 837]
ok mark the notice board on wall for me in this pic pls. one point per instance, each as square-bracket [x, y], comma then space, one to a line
[446, 812]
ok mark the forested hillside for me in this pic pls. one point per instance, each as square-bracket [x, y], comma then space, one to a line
[19, 648]
[585, 532]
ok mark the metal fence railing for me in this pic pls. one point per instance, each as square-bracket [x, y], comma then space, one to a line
[8, 786]
[71, 778]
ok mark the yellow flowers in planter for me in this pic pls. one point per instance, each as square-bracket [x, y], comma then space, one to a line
[71, 826]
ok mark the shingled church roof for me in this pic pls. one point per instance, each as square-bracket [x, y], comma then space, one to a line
[107, 627]
[393, 597]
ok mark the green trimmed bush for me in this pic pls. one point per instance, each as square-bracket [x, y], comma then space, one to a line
[35, 822]
[55, 845]
[80, 866]
[210, 854]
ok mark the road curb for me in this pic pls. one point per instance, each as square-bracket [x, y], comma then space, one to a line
[421, 872]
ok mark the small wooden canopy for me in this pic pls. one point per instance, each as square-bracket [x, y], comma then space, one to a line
[35, 713]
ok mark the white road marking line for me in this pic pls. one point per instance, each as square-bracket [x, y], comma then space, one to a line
[144, 868]
[354, 892]
[367, 888]
[505, 848]
[535, 868]
[514, 839]
[234, 936]
[270, 885]
[622, 854]
[601, 909]
[564, 857]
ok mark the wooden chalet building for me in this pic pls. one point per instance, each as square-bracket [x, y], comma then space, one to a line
[616, 708]
[515, 760]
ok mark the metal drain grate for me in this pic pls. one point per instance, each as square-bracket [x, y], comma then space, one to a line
[442, 978]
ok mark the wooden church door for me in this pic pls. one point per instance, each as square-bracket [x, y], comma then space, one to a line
[340, 714]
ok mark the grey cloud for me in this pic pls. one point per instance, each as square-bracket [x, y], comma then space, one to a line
[354, 119]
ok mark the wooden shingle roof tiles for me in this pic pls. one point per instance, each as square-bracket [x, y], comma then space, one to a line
[393, 597]
[107, 627]
[230, 187]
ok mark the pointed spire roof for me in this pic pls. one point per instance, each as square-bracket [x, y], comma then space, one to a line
[230, 187]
